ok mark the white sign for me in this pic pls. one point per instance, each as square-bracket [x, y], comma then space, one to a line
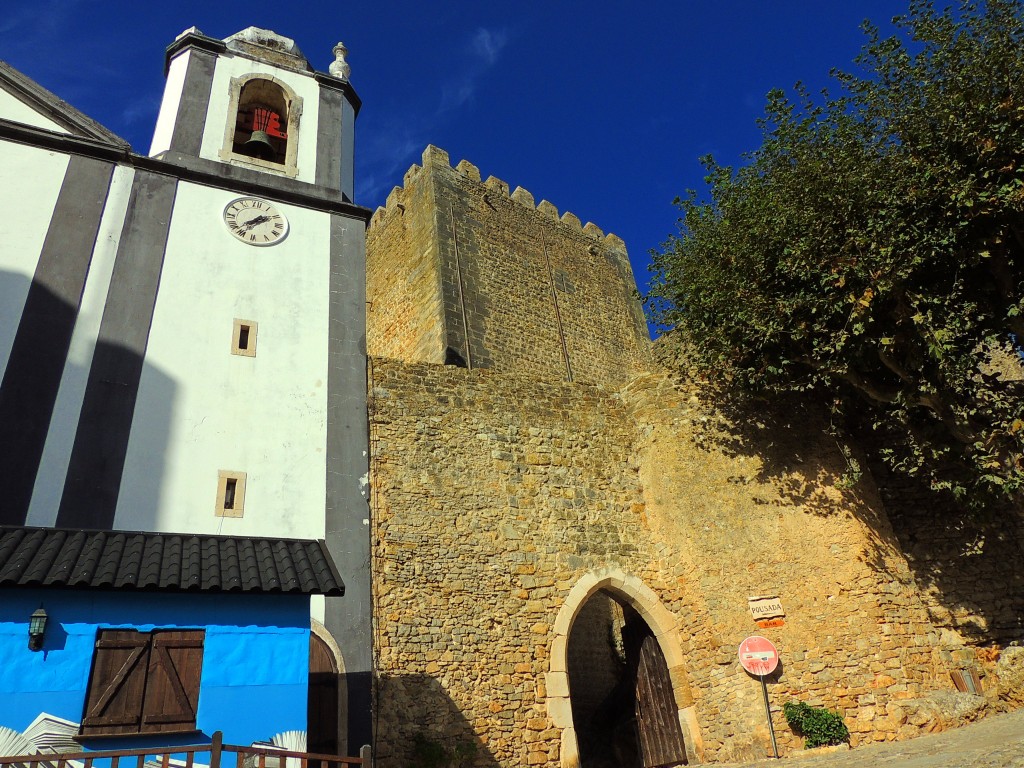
[765, 607]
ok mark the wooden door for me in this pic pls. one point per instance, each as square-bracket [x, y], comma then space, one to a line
[657, 717]
[322, 732]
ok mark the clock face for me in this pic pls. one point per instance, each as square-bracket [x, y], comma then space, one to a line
[255, 221]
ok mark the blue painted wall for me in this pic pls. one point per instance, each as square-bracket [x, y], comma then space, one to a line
[255, 661]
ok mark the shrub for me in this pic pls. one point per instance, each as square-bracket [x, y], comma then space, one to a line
[819, 727]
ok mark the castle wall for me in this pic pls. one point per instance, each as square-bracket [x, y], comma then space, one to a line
[514, 286]
[496, 495]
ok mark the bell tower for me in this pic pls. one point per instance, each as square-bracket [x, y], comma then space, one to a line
[253, 101]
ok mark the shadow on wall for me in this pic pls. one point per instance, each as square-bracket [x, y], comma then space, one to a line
[66, 414]
[419, 726]
[968, 567]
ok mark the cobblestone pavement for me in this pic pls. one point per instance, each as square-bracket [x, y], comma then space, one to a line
[995, 742]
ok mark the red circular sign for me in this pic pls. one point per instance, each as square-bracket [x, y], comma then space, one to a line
[758, 655]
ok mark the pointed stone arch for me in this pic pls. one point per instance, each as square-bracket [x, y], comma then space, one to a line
[662, 623]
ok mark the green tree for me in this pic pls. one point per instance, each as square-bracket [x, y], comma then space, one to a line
[871, 249]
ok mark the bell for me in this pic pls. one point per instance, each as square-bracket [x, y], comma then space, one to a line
[259, 146]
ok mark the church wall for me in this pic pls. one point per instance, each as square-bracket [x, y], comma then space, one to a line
[174, 92]
[35, 177]
[56, 455]
[263, 415]
[494, 494]
[15, 109]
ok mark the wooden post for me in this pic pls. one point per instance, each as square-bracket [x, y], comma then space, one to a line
[215, 747]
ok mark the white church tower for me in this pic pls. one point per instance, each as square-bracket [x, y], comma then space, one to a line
[213, 375]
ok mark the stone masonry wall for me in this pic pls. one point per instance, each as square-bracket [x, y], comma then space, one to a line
[405, 317]
[519, 287]
[495, 494]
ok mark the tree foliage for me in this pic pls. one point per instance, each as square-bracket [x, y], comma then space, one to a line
[871, 249]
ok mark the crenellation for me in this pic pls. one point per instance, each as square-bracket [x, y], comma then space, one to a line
[593, 230]
[523, 196]
[497, 184]
[548, 210]
[394, 197]
[435, 156]
[615, 242]
[411, 174]
[572, 220]
[468, 170]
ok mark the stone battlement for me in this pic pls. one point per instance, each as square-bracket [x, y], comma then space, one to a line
[437, 157]
[463, 271]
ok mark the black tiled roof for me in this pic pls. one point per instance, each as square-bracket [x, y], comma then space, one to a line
[174, 562]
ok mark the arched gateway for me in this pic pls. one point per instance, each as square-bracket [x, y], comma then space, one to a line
[617, 685]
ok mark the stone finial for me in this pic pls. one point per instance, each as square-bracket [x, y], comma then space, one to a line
[468, 170]
[339, 67]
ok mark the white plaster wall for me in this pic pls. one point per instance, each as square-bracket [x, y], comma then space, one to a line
[173, 87]
[53, 467]
[201, 409]
[13, 108]
[30, 181]
[305, 87]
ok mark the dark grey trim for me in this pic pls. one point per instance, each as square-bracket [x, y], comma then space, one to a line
[38, 98]
[328, 140]
[39, 353]
[330, 81]
[195, 41]
[193, 104]
[101, 441]
[347, 536]
[194, 169]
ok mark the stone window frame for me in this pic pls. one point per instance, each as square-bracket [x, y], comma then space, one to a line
[290, 166]
[662, 622]
[237, 508]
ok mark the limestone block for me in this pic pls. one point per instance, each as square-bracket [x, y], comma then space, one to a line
[593, 230]
[497, 184]
[557, 683]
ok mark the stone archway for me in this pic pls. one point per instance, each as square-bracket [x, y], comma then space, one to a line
[639, 597]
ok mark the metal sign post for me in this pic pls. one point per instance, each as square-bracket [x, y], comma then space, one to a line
[768, 714]
[760, 657]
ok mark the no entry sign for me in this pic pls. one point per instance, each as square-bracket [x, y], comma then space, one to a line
[758, 655]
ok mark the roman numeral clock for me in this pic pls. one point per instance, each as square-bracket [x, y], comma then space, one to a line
[255, 221]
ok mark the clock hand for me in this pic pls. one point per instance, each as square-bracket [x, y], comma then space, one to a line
[252, 223]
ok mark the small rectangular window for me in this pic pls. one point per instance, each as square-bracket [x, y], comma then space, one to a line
[230, 494]
[243, 338]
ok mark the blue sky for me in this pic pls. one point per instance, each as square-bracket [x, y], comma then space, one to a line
[599, 107]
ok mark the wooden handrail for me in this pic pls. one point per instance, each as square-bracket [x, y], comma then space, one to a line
[164, 754]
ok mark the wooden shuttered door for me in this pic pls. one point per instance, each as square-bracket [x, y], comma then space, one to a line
[117, 683]
[657, 717]
[143, 682]
[172, 682]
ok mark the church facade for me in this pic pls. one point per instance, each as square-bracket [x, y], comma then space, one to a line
[415, 478]
[181, 335]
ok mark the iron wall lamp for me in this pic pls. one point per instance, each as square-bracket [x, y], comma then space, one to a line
[37, 629]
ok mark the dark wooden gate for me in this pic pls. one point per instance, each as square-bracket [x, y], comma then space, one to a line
[322, 733]
[657, 717]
